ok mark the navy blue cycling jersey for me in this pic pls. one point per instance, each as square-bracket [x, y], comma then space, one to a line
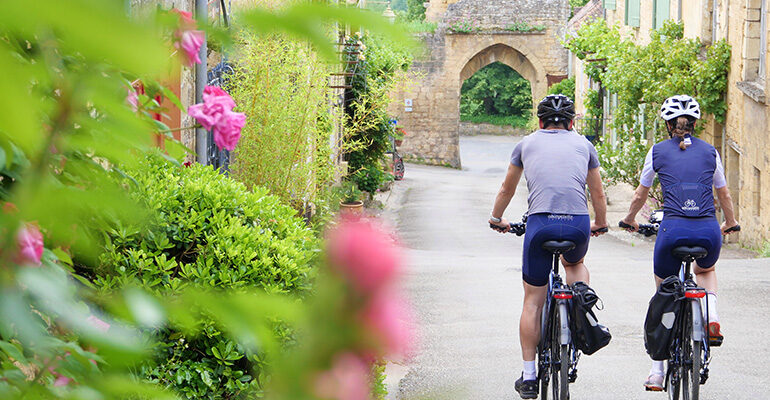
[686, 176]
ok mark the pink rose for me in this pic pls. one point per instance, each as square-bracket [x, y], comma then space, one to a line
[30, 245]
[188, 39]
[389, 319]
[348, 379]
[364, 254]
[61, 380]
[97, 323]
[132, 99]
[216, 114]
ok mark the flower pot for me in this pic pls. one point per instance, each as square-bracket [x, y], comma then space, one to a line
[352, 208]
[399, 141]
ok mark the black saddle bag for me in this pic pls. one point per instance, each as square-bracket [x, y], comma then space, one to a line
[587, 333]
[662, 316]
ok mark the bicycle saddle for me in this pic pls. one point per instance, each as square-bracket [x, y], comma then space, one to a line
[558, 246]
[685, 252]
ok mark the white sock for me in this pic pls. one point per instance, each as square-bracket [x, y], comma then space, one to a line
[529, 371]
[657, 368]
[711, 298]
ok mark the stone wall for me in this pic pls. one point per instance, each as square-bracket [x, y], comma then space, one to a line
[472, 129]
[427, 106]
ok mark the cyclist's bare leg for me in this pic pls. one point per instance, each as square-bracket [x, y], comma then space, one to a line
[576, 272]
[529, 325]
[707, 279]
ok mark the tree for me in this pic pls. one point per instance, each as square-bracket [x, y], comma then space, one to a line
[496, 90]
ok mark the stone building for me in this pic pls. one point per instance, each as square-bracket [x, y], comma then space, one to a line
[471, 34]
[744, 140]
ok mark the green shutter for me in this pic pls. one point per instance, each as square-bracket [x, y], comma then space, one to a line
[660, 13]
[609, 4]
[632, 12]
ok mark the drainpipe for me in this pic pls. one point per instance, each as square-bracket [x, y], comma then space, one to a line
[201, 135]
[679, 11]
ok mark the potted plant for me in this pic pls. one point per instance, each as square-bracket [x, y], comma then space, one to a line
[350, 198]
[398, 135]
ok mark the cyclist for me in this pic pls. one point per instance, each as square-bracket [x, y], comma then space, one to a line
[557, 163]
[687, 168]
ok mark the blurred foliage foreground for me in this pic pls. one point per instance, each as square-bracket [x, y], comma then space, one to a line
[124, 274]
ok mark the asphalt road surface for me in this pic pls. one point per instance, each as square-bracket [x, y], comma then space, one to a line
[464, 281]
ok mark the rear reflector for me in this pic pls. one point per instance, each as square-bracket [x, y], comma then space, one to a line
[562, 295]
[695, 294]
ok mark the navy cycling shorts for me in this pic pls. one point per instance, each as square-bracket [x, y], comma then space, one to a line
[683, 231]
[537, 263]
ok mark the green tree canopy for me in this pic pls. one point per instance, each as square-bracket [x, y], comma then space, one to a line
[495, 90]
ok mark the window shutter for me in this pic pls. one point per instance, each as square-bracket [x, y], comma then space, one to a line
[632, 12]
[661, 13]
[609, 4]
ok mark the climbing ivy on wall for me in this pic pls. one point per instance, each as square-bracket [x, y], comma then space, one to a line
[642, 77]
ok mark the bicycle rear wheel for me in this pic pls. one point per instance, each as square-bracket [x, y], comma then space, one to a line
[694, 350]
[673, 381]
[559, 357]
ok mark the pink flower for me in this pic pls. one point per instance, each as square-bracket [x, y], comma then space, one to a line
[30, 245]
[187, 38]
[61, 380]
[348, 379]
[216, 114]
[132, 99]
[389, 319]
[98, 324]
[190, 42]
[364, 254]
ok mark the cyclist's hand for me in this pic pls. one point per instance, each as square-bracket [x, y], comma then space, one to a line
[726, 226]
[633, 223]
[597, 229]
[502, 226]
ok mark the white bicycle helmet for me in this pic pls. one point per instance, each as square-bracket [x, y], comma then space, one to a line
[679, 105]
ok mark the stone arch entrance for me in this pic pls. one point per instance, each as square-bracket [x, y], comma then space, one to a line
[510, 57]
[427, 107]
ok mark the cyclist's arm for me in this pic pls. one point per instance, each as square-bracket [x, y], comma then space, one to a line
[726, 203]
[507, 190]
[637, 202]
[598, 200]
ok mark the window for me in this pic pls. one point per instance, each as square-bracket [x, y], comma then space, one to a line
[632, 12]
[660, 12]
[755, 41]
[757, 192]
[609, 4]
[762, 38]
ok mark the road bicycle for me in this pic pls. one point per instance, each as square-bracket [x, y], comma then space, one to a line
[688, 366]
[557, 356]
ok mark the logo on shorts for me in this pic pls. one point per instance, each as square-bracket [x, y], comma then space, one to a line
[566, 217]
[690, 205]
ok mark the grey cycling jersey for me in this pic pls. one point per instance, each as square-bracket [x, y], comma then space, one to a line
[556, 164]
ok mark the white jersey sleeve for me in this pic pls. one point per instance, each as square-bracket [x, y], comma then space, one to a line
[648, 174]
[719, 174]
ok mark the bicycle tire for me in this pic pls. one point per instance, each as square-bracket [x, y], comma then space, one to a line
[564, 378]
[673, 383]
[696, 349]
[555, 353]
[543, 350]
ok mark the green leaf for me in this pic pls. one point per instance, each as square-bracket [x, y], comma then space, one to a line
[13, 351]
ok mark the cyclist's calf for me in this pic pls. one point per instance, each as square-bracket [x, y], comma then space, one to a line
[575, 271]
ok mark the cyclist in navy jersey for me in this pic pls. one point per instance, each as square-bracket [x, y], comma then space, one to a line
[687, 168]
[557, 163]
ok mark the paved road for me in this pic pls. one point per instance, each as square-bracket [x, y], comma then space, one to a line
[464, 281]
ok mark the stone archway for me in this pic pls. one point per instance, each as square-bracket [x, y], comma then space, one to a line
[428, 106]
[511, 57]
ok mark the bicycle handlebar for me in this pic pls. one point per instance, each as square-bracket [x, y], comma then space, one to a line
[520, 228]
[735, 228]
[644, 229]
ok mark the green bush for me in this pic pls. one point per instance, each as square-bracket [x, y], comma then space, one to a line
[207, 231]
[565, 87]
